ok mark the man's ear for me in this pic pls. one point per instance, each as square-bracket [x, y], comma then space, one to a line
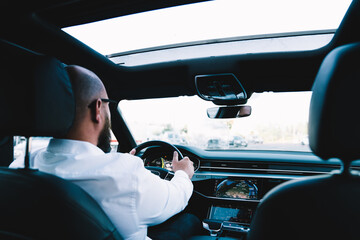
[95, 111]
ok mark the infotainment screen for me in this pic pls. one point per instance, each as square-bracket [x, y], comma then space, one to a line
[236, 188]
[231, 213]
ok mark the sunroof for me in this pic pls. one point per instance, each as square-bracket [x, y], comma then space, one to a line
[210, 20]
[299, 41]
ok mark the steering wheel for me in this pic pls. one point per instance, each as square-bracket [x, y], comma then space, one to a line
[161, 172]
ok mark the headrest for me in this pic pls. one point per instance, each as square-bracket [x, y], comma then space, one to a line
[334, 122]
[36, 97]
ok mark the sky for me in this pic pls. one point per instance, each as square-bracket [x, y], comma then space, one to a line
[209, 20]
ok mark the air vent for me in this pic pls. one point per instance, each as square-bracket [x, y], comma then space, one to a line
[233, 164]
[267, 168]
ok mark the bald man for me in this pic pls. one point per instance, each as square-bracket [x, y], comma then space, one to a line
[130, 195]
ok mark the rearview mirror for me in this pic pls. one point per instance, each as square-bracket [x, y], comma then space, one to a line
[229, 112]
[221, 89]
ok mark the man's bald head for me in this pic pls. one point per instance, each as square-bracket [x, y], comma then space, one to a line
[92, 120]
[87, 87]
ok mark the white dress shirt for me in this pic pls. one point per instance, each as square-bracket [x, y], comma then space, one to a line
[130, 195]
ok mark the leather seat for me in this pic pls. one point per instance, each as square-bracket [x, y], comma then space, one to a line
[325, 206]
[37, 100]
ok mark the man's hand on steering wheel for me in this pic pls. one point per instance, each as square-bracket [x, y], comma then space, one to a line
[133, 151]
[184, 164]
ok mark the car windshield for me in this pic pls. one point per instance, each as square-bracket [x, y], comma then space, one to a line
[278, 122]
[212, 20]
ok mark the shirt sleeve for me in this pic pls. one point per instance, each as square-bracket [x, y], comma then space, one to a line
[160, 199]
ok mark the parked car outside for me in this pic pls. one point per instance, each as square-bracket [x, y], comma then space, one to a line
[238, 141]
[217, 143]
[256, 140]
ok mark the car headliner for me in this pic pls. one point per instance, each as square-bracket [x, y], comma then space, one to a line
[37, 26]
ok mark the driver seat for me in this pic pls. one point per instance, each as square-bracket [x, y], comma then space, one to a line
[323, 206]
[37, 100]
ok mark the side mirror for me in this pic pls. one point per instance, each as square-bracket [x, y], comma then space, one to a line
[229, 112]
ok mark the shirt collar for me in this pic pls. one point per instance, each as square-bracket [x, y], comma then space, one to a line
[72, 146]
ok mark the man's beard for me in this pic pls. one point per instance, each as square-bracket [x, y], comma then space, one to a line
[105, 137]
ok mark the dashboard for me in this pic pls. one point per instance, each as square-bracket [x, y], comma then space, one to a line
[228, 185]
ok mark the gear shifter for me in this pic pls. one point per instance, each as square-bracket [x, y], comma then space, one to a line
[214, 227]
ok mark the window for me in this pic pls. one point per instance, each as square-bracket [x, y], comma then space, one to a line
[210, 20]
[278, 122]
[42, 142]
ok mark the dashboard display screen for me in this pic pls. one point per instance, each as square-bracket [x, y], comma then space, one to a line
[164, 160]
[236, 188]
[231, 214]
[161, 162]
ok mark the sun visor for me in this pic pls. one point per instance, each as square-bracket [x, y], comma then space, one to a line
[36, 94]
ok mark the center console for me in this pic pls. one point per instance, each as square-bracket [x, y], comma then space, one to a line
[232, 203]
